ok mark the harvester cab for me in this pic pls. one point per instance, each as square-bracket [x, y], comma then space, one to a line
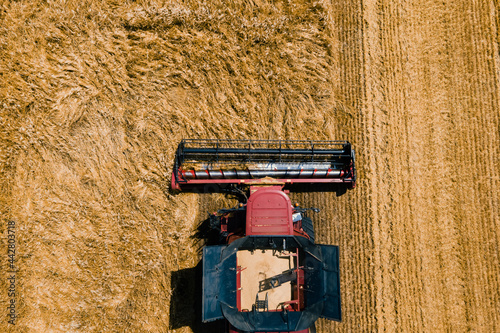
[267, 275]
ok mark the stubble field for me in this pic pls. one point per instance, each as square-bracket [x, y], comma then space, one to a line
[96, 95]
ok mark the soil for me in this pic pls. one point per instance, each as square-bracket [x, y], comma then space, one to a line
[96, 95]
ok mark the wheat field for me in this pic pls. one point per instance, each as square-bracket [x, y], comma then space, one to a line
[96, 95]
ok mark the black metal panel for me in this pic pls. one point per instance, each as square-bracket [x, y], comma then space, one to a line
[285, 321]
[227, 280]
[269, 242]
[211, 309]
[314, 282]
[331, 278]
[219, 280]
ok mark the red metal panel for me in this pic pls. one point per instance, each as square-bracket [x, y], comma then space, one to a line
[238, 286]
[269, 212]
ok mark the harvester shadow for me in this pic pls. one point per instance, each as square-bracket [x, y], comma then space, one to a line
[185, 303]
[186, 285]
[339, 189]
[206, 235]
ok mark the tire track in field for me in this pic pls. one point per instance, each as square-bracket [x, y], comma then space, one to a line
[344, 219]
[442, 276]
[389, 190]
[477, 108]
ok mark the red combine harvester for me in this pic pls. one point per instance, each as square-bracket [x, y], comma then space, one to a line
[267, 275]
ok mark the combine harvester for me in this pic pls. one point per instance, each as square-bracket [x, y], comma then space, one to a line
[268, 275]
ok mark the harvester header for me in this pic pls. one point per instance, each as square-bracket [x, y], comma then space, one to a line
[202, 162]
